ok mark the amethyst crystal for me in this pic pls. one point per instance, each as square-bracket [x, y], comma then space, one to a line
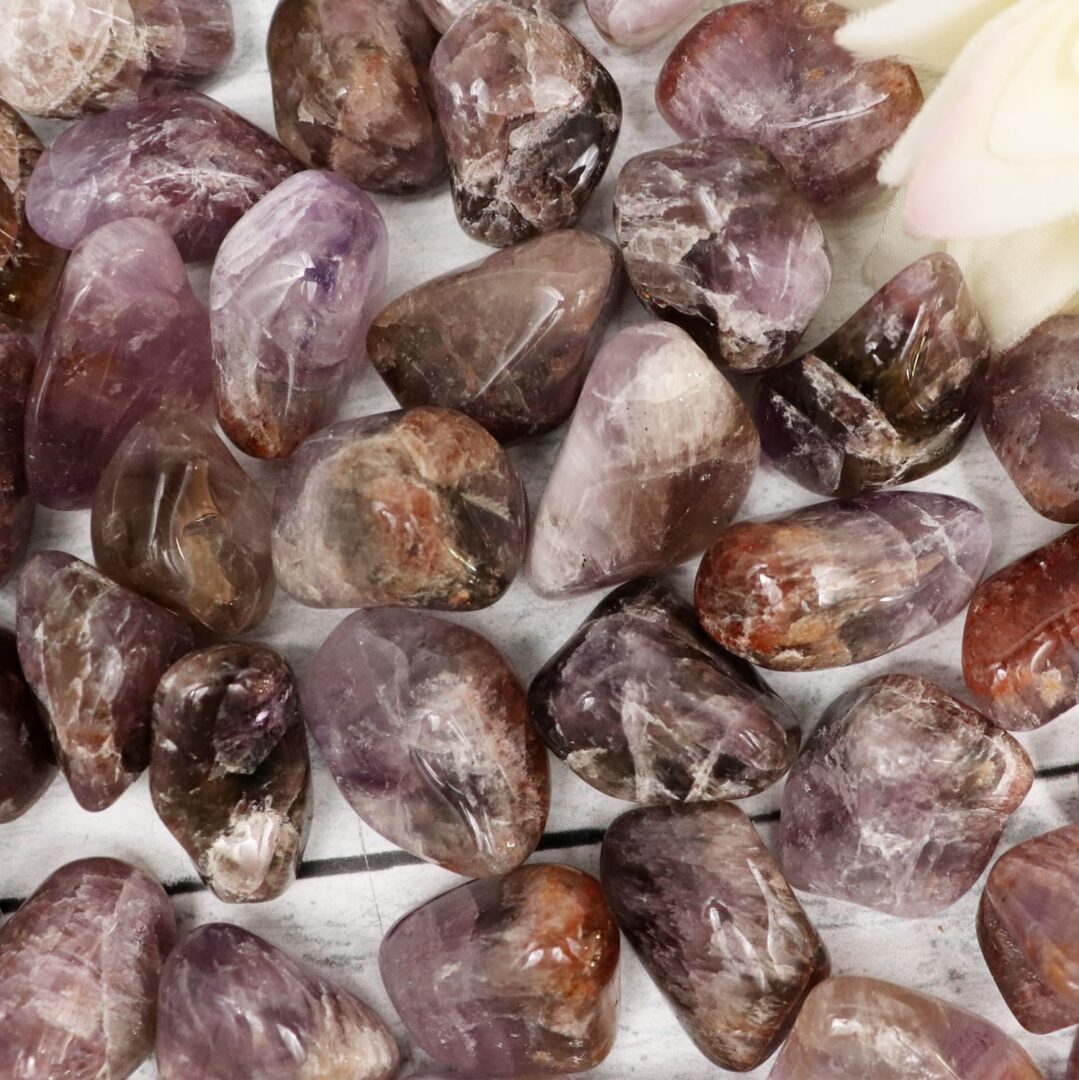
[424, 726]
[638, 22]
[183, 160]
[93, 652]
[443, 12]
[530, 118]
[643, 706]
[27, 764]
[510, 976]
[716, 240]
[294, 288]
[16, 505]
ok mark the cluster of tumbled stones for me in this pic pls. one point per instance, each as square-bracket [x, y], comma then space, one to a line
[896, 801]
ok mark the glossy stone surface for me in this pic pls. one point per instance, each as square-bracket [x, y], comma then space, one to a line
[419, 507]
[127, 336]
[658, 458]
[176, 519]
[27, 764]
[643, 706]
[1020, 657]
[229, 773]
[837, 583]
[890, 396]
[638, 22]
[1030, 413]
[93, 652]
[508, 340]
[770, 71]
[441, 13]
[293, 290]
[899, 797]
[424, 726]
[705, 907]
[79, 968]
[66, 58]
[1028, 931]
[29, 267]
[530, 118]
[17, 362]
[853, 1028]
[352, 93]
[183, 160]
[509, 976]
[716, 240]
[234, 1005]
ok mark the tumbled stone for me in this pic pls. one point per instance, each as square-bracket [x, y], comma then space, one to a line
[853, 1028]
[658, 458]
[293, 290]
[127, 336]
[229, 773]
[638, 22]
[234, 1005]
[716, 240]
[1028, 931]
[510, 975]
[16, 506]
[29, 267]
[27, 764]
[890, 396]
[424, 726]
[79, 968]
[183, 160]
[508, 340]
[442, 12]
[1020, 651]
[1030, 412]
[530, 118]
[771, 72]
[352, 93]
[837, 583]
[66, 58]
[643, 706]
[93, 652]
[419, 507]
[899, 797]
[706, 909]
[176, 519]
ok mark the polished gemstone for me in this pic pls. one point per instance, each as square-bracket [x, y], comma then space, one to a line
[176, 519]
[443, 12]
[29, 267]
[1028, 931]
[27, 764]
[530, 118]
[233, 1005]
[127, 336]
[899, 797]
[93, 653]
[1020, 651]
[183, 160]
[352, 93]
[424, 726]
[79, 968]
[65, 58]
[509, 976]
[771, 72]
[705, 907]
[853, 1028]
[419, 507]
[638, 22]
[1030, 413]
[890, 396]
[658, 458]
[507, 340]
[16, 505]
[837, 583]
[229, 773]
[716, 240]
[293, 290]
[643, 706]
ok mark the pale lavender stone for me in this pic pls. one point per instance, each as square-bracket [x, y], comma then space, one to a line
[127, 336]
[638, 22]
[294, 288]
[183, 160]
